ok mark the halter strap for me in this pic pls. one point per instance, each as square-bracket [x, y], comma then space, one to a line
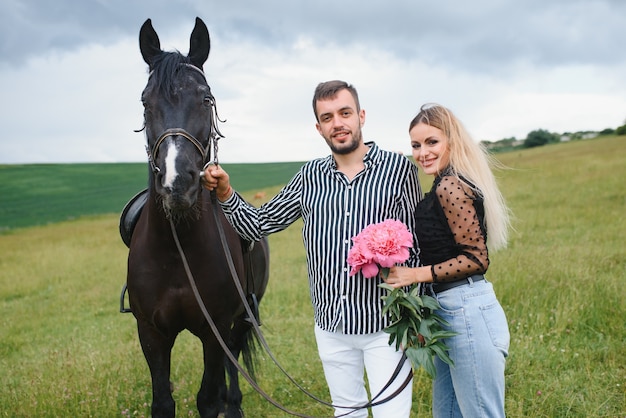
[193, 67]
[214, 136]
[179, 132]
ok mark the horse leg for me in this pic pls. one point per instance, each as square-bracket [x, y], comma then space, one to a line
[242, 341]
[233, 394]
[211, 393]
[157, 349]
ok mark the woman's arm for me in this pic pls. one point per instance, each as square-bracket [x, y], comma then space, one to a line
[457, 200]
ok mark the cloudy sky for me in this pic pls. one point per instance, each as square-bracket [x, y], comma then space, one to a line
[71, 73]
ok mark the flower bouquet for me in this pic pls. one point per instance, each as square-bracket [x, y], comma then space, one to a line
[414, 325]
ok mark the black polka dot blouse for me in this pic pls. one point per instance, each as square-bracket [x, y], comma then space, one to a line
[451, 230]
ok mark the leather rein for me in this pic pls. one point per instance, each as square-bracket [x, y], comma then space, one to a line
[259, 333]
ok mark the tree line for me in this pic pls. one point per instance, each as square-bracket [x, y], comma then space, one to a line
[541, 137]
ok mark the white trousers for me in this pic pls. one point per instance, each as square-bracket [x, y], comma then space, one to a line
[346, 359]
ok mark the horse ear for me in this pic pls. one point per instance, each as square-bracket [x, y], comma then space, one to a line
[199, 44]
[149, 43]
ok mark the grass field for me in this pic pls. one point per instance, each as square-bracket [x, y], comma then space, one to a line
[65, 351]
[38, 194]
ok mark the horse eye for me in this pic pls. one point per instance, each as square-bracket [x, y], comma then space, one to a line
[146, 112]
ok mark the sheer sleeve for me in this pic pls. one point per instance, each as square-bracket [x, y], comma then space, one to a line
[460, 203]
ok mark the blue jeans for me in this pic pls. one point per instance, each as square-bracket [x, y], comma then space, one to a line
[474, 386]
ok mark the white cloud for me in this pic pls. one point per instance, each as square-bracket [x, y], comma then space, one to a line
[77, 106]
[503, 71]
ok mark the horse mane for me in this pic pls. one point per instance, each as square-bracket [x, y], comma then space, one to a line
[164, 69]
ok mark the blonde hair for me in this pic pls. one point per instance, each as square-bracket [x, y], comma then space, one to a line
[471, 160]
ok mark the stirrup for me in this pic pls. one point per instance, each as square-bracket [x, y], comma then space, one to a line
[124, 309]
[254, 307]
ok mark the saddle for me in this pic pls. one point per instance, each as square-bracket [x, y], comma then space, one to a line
[132, 211]
[130, 215]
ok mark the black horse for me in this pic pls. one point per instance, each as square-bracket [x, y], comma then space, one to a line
[179, 123]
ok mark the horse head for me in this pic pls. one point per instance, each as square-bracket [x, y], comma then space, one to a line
[179, 118]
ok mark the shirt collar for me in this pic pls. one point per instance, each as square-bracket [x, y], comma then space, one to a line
[372, 156]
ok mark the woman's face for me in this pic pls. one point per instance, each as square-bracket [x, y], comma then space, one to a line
[430, 148]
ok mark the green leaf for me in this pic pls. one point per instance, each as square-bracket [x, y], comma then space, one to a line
[425, 330]
[408, 305]
[441, 334]
[394, 312]
[405, 339]
[387, 287]
[414, 291]
[392, 329]
[440, 320]
[415, 302]
[430, 303]
[421, 357]
[442, 352]
[414, 322]
[402, 328]
[429, 366]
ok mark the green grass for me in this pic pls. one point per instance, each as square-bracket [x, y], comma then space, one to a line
[66, 351]
[38, 194]
[562, 279]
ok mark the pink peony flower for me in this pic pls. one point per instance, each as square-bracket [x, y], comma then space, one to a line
[379, 245]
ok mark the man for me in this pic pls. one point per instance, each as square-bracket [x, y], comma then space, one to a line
[336, 197]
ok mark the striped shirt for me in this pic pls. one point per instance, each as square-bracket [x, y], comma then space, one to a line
[335, 209]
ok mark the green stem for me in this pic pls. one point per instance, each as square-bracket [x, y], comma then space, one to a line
[384, 272]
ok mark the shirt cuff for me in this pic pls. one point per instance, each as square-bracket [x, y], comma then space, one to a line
[231, 204]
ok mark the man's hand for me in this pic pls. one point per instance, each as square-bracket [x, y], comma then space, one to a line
[215, 178]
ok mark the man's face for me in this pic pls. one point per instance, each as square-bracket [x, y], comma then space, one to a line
[340, 122]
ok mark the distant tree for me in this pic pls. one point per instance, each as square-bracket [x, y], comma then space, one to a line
[607, 131]
[507, 141]
[540, 137]
[621, 130]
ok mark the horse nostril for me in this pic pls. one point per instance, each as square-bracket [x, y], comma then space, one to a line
[161, 183]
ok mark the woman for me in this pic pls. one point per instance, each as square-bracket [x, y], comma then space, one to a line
[452, 223]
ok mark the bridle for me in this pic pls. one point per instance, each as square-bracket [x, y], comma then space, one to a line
[178, 132]
[205, 152]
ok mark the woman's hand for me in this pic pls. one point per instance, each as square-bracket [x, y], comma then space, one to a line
[405, 276]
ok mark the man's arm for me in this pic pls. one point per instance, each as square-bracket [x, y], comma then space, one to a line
[250, 222]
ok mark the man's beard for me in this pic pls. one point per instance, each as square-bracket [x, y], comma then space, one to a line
[346, 148]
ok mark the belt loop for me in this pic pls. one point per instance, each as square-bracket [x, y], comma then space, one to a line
[470, 280]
